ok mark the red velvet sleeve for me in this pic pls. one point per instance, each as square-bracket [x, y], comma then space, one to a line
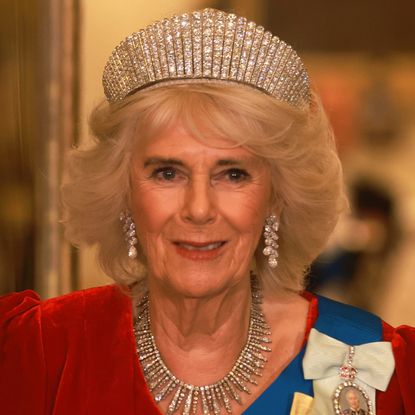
[399, 398]
[403, 343]
[22, 363]
[71, 355]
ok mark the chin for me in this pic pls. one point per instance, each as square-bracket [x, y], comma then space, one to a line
[197, 290]
[197, 285]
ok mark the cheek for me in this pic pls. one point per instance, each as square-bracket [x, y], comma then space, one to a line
[151, 210]
[246, 210]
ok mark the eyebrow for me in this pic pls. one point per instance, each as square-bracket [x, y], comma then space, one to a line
[164, 161]
[231, 162]
[175, 162]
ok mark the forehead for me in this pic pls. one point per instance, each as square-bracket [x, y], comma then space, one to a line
[176, 141]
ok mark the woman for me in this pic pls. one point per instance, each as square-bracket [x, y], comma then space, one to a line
[213, 158]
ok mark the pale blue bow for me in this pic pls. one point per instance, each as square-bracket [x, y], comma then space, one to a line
[325, 355]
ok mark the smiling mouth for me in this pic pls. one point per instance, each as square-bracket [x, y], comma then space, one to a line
[200, 251]
[200, 246]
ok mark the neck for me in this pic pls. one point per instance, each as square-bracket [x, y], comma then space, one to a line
[200, 338]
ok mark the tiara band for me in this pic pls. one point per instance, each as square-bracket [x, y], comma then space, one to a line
[207, 45]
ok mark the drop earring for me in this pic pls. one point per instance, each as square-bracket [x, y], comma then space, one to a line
[271, 240]
[128, 227]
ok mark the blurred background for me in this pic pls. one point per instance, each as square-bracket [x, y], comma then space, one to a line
[361, 57]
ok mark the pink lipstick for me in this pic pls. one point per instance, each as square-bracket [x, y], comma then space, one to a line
[199, 251]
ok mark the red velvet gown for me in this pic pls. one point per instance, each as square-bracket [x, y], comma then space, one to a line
[75, 355]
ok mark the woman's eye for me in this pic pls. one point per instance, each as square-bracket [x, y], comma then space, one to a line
[237, 175]
[164, 173]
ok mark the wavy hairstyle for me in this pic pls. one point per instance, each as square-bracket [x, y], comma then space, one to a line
[298, 146]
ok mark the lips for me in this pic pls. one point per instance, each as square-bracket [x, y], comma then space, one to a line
[199, 250]
[200, 246]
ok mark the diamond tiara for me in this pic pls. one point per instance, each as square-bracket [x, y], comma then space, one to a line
[207, 45]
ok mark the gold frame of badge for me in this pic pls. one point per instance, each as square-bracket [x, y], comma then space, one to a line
[349, 384]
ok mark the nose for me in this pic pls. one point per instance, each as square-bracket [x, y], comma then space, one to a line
[199, 204]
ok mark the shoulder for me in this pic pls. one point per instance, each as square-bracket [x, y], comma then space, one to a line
[25, 311]
[15, 304]
[338, 317]
[40, 329]
[95, 294]
[83, 300]
[19, 317]
[343, 321]
[346, 323]
[24, 300]
[41, 342]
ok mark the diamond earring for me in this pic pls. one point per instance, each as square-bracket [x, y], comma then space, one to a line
[271, 240]
[130, 235]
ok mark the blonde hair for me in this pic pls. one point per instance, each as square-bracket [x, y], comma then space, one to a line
[297, 144]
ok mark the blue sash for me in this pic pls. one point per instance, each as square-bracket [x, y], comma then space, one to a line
[343, 322]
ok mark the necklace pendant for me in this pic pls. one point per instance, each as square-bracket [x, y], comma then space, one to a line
[188, 402]
[196, 395]
[205, 407]
[174, 402]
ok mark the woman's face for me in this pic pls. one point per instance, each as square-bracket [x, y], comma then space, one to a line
[199, 210]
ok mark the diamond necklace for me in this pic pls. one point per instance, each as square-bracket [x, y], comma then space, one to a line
[186, 397]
